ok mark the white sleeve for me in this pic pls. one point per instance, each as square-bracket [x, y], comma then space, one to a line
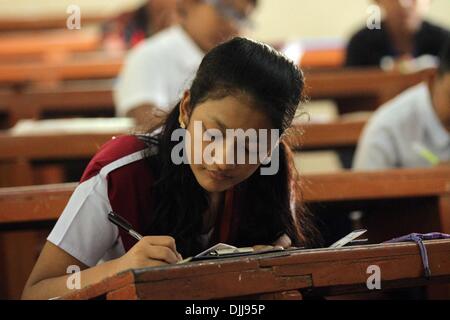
[143, 80]
[376, 149]
[83, 230]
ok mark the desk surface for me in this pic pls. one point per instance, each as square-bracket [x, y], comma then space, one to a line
[319, 84]
[323, 271]
[85, 145]
[43, 23]
[82, 66]
[35, 44]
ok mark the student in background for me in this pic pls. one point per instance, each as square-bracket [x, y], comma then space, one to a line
[157, 71]
[404, 35]
[412, 130]
[181, 209]
[130, 28]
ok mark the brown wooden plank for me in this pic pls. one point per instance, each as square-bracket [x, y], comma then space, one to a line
[39, 44]
[43, 23]
[49, 201]
[99, 66]
[344, 83]
[334, 271]
[127, 292]
[228, 284]
[325, 135]
[378, 184]
[364, 81]
[52, 146]
[101, 289]
[39, 203]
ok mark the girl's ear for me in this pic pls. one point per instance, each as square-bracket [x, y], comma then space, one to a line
[185, 109]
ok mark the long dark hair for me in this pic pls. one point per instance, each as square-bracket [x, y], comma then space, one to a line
[276, 84]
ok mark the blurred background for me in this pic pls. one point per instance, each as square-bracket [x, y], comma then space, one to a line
[274, 20]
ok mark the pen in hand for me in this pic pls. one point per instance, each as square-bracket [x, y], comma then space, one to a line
[124, 224]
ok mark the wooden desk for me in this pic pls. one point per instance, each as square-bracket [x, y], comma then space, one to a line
[391, 202]
[332, 135]
[395, 202]
[329, 58]
[40, 45]
[354, 89]
[48, 201]
[97, 65]
[361, 89]
[78, 99]
[43, 23]
[313, 272]
[17, 153]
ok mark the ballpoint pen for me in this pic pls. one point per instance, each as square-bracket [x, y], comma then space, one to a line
[124, 224]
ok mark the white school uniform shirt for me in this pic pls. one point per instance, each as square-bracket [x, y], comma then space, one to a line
[83, 229]
[157, 71]
[390, 137]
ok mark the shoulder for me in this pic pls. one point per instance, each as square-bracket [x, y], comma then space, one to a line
[431, 38]
[159, 47]
[115, 154]
[400, 112]
[366, 35]
[366, 47]
[432, 29]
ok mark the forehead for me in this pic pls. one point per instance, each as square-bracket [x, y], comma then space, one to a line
[234, 112]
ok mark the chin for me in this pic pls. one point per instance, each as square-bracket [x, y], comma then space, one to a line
[214, 186]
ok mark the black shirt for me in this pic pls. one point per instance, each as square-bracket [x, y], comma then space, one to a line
[367, 47]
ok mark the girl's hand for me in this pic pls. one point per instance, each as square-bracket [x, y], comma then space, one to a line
[149, 252]
[282, 242]
[265, 248]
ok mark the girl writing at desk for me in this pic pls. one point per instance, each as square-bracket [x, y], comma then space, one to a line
[181, 205]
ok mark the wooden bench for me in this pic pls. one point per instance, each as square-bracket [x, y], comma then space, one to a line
[324, 272]
[353, 89]
[81, 66]
[18, 152]
[361, 89]
[82, 98]
[397, 185]
[46, 45]
[43, 23]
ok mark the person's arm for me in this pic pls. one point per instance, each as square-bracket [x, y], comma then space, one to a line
[142, 87]
[49, 276]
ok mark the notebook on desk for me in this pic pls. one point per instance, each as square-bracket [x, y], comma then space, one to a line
[222, 250]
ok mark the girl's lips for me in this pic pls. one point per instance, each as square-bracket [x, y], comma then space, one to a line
[217, 175]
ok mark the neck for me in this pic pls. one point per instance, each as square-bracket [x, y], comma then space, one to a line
[191, 34]
[216, 197]
[216, 205]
